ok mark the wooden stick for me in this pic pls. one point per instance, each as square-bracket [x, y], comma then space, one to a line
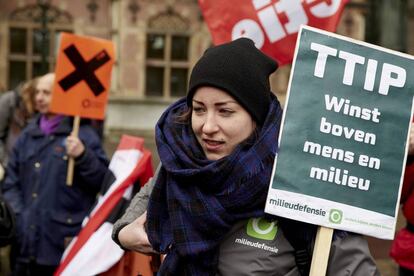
[71, 161]
[321, 251]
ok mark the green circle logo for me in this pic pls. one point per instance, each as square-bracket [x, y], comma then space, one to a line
[260, 228]
[335, 216]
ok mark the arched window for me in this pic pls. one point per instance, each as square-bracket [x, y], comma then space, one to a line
[33, 40]
[167, 56]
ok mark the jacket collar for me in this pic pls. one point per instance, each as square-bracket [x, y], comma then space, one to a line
[64, 127]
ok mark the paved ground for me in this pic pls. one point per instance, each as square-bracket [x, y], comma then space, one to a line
[380, 250]
[387, 267]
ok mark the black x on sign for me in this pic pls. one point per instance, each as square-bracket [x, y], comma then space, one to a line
[84, 70]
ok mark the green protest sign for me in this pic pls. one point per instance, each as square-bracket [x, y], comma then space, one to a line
[343, 141]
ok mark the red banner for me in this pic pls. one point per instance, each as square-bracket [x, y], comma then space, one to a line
[92, 251]
[272, 24]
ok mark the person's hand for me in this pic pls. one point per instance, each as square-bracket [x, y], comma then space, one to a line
[74, 146]
[411, 141]
[134, 237]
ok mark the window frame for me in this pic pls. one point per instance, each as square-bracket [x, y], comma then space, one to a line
[27, 18]
[168, 31]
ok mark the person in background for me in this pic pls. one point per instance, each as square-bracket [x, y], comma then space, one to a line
[402, 249]
[16, 109]
[49, 212]
[206, 209]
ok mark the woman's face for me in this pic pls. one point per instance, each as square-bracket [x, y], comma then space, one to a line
[219, 122]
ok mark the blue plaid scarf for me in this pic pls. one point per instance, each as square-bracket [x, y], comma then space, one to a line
[196, 201]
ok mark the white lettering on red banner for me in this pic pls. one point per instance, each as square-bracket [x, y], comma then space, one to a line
[272, 25]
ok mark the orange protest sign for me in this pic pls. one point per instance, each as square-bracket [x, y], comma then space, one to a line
[83, 75]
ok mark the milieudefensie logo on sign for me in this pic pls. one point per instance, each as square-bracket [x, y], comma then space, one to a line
[335, 216]
[260, 228]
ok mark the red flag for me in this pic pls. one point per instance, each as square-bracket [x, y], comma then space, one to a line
[93, 251]
[272, 24]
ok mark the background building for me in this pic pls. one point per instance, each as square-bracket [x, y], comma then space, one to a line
[157, 43]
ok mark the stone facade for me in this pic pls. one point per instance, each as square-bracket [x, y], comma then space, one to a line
[129, 24]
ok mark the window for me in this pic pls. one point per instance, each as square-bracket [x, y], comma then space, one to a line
[29, 44]
[386, 24]
[167, 57]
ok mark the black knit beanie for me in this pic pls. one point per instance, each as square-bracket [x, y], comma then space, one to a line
[240, 69]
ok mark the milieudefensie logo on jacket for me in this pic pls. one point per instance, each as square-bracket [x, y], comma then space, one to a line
[262, 229]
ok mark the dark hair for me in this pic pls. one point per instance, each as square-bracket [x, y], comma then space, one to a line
[184, 117]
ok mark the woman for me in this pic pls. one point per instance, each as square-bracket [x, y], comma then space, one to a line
[16, 109]
[217, 148]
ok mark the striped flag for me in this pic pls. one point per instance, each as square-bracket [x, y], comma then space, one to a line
[93, 252]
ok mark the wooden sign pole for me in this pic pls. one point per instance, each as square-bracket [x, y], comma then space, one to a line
[321, 251]
[71, 161]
